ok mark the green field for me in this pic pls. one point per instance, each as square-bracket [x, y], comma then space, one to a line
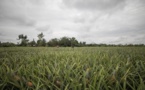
[81, 68]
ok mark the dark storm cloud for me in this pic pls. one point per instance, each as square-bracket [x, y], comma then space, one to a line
[94, 4]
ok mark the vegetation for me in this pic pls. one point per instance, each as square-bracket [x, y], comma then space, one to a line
[83, 68]
[41, 41]
[56, 42]
[24, 40]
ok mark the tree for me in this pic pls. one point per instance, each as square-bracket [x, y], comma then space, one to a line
[41, 41]
[40, 36]
[53, 42]
[84, 43]
[7, 44]
[24, 40]
[74, 42]
[65, 41]
[0, 44]
[33, 43]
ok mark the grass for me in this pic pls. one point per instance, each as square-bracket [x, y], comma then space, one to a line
[83, 68]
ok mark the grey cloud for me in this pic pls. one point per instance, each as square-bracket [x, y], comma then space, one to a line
[86, 29]
[99, 21]
[16, 19]
[122, 35]
[94, 4]
[47, 29]
[119, 40]
[43, 28]
[26, 22]
[79, 20]
[11, 13]
[126, 36]
[129, 39]
[140, 39]
[37, 2]
[123, 32]
[1, 34]
[49, 32]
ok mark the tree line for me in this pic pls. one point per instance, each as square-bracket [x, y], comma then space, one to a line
[56, 42]
[41, 42]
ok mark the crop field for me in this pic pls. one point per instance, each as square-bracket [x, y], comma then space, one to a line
[79, 68]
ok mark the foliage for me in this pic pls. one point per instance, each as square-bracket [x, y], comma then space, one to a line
[81, 68]
[7, 44]
[63, 42]
[53, 42]
[41, 41]
[24, 40]
[32, 43]
[73, 41]
[82, 44]
[40, 36]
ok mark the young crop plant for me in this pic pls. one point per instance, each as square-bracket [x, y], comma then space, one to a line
[80, 68]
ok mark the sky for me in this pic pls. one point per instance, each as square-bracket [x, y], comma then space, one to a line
[93, 21]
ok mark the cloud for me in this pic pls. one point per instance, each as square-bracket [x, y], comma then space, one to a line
[13, 14]
[2, 33]
[37, 2]
[17, 20]
[43, 28]
[79, 20]
[10, 34]
[99, 21]
[129, 39]
[94, 4]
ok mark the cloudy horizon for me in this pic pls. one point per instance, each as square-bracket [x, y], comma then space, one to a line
[93, 21]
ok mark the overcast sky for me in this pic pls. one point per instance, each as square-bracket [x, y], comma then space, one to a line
[93, 21]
